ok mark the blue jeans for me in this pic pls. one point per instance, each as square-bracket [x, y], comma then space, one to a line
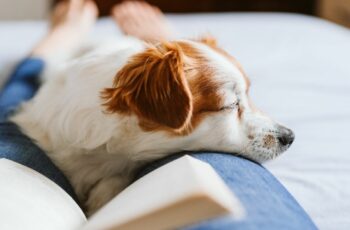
[268, 204]
[14, 145]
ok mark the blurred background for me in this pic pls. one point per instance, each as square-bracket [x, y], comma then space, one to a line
[335, 10]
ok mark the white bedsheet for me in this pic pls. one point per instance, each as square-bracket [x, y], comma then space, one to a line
[300, 70]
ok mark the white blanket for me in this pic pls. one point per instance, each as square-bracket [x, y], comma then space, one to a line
[300, 72]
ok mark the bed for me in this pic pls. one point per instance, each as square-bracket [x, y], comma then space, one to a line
[300, 72]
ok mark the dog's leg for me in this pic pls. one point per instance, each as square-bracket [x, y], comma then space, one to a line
[104, 191]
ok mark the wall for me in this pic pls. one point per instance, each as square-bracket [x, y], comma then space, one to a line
[23, 9]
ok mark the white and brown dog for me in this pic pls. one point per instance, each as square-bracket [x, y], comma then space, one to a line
[116, 108]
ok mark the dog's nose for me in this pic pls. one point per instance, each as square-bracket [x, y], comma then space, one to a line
[286, 136]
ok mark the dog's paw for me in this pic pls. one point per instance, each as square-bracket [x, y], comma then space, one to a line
[104, 191]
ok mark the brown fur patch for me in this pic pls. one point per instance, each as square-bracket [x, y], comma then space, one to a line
[209, 41]
[269, 141]
[153, 86]
[204, 87]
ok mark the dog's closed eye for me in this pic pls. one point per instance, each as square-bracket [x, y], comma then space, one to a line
[231, 106]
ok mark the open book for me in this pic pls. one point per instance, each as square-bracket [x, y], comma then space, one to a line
[177, 194]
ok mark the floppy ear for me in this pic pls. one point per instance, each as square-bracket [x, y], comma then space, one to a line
[153, 86]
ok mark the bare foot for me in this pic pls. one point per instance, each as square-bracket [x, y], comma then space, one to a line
[71, 21]
[142, 20]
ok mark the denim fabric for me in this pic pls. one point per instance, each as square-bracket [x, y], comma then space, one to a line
[21, 86]
[267, 203]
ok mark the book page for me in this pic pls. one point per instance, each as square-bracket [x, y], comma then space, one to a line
[179, 193]
[28, 200]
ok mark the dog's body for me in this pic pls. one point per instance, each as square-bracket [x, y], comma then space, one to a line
[115, 109]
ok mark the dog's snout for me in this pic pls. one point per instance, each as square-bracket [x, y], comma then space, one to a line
[286, 139]
[286, 136]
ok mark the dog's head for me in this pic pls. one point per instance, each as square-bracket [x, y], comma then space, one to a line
[195, 92]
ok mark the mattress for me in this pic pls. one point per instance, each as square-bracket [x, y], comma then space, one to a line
[300, 72]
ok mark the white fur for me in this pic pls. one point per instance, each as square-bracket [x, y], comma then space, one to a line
[99, 152]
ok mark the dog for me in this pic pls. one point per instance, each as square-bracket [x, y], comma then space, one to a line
[113, 109]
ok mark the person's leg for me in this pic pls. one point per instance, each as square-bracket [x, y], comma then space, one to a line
[70, 24]
[71, 21]
[267, 203]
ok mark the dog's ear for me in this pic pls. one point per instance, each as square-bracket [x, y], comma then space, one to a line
[153, 86]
